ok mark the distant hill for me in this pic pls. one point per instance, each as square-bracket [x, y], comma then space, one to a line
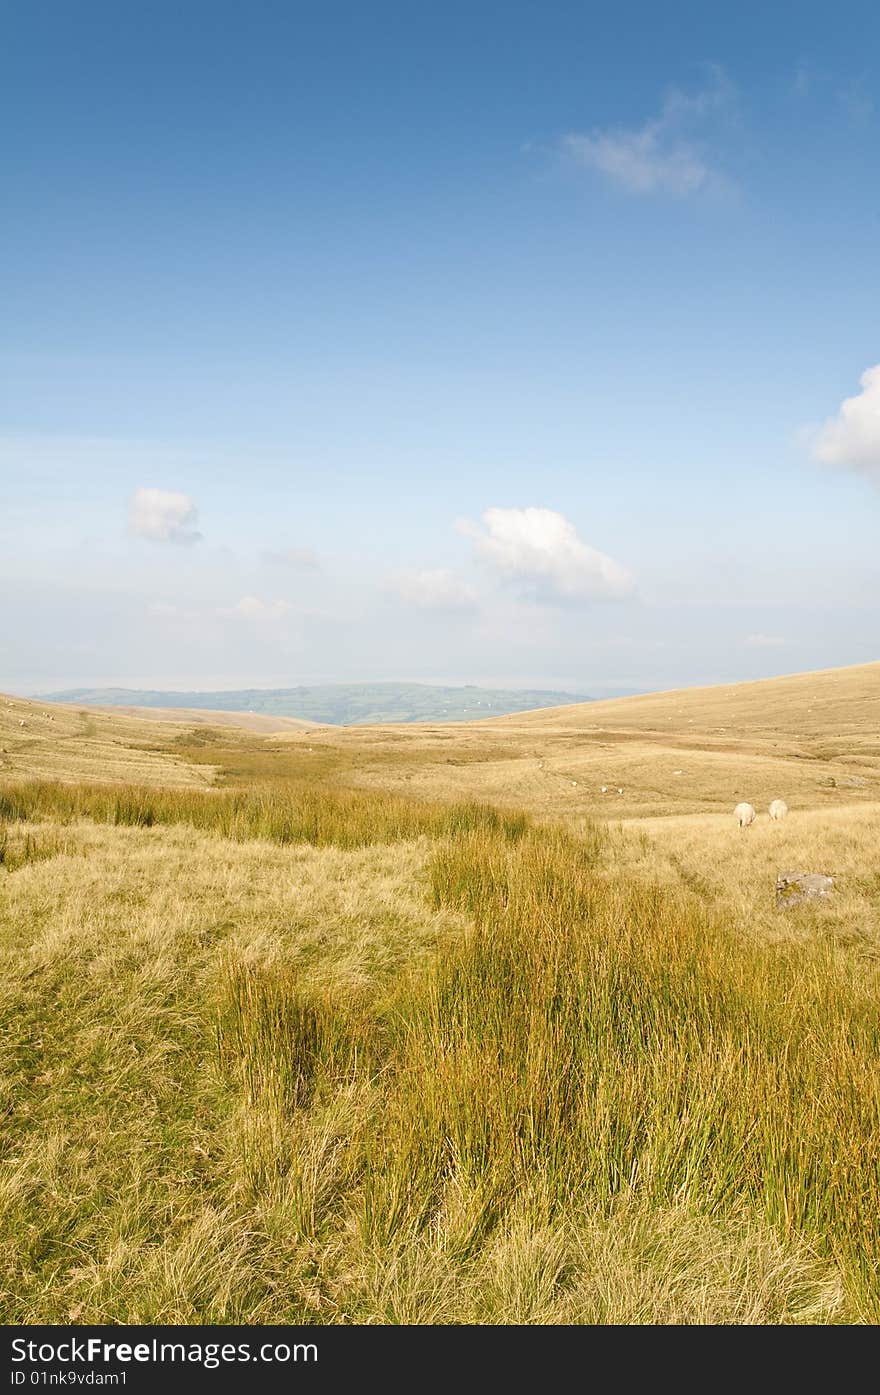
[338, 704]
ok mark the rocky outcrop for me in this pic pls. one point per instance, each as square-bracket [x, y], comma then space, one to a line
[793, 888]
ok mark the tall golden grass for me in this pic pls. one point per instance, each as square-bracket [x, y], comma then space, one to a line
[279, 813]
[592, 1039]
[596, 1101]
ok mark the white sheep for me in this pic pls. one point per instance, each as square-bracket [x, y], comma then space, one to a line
[778, 809]
[745, 815]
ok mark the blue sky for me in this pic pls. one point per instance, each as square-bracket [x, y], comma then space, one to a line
[473, 342]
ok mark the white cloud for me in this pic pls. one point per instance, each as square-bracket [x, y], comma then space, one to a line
[163, 515]
[298, 558]
[760, 641]
[662, 155]
[852, 438]
[252, 608]
[542, 549]
[434, 589]
[638, 160]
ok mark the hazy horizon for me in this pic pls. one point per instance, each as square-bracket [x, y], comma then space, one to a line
[598, 690]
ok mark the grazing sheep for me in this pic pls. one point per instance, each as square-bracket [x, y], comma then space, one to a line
[619, 790]
[778, 809]
[604, 789]
[745, 815]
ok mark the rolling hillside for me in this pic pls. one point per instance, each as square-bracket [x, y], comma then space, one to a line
[811, 738]
[281, 1042]
[260, 723]
[831, 703]
[48, 741]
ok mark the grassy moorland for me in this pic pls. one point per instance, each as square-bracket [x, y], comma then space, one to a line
[283, 1042]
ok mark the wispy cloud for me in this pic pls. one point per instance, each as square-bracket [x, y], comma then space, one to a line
[541, 550]
[297, 558]
[433, 589]
[249, 609]
[163, 516]
[666, 154]
[852, 437]
[852, 94]
[254, 609]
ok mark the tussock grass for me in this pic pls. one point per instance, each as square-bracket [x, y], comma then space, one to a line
[286, 1040]
[593, 1043]
[139, 1175]
[280, 814]
[630, 1264]
[300, 1055]
[592, 1036]
[18, 849]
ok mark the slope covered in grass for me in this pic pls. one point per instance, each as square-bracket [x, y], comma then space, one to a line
[401, 1063]
[811, 739]
[62, 743]
[844, 701]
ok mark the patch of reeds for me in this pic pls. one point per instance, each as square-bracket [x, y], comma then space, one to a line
[593, 1037]
[280, 814]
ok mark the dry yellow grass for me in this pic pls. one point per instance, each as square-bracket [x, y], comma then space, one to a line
[811, 739]
[52, 741]
[120, 1163]
[185, 718]
[141, 1182]
[736, 870]
[437, 1067]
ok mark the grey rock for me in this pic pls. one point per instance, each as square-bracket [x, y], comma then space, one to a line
[851, 782]
[792, 888]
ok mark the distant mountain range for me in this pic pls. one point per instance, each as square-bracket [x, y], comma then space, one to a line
[339, 704]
